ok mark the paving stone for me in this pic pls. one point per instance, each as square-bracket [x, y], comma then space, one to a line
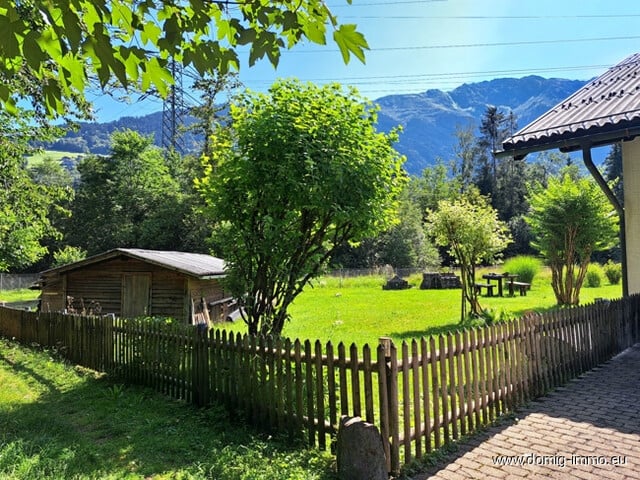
[595, 415]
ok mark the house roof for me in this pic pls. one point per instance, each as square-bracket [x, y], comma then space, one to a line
[194, 264]
[606, 110]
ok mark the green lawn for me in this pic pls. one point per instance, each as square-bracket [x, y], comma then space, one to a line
[358, 310]
[60, 422]
[53, 154]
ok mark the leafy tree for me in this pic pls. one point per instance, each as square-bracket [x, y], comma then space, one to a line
[570, 219]
[128, 199]
[52, 51]
[432, 186]
[406, 245]
[50, 172]
[470, 227]
[492, 132]
[304, 172]
[510, 197]
[546, 165]
[212, 112]
[67, 255]
[26, 207]
[613, 171]
[466, 152]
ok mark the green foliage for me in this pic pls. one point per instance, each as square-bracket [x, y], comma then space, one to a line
[406, 244]
[115, 391]
[525, 266]
[490, 316]
[473, 233]
[55, 49]
[129, 199]
[304, 172]
[570, 218]
[67, 255]
[433, 186]
[26, 207]
[594, 276]
[211, 112]
[466, 152]
[613, 272]
[50, 172]
[613, 171]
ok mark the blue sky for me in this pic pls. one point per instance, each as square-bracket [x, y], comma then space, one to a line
[416, 45]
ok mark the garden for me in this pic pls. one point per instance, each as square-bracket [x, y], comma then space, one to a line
[100, 428]
[358, 310]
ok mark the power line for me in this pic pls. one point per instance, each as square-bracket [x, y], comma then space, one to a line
[482, 45]
[488, 17]
[453, 78]
[464, 74]
[382, 4]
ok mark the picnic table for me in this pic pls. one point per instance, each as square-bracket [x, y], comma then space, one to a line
[499, 278]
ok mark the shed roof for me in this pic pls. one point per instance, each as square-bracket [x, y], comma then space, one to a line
[606, 110]
[194, 264]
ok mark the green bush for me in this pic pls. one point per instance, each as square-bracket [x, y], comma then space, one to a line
[68, 255]
[525, 266]
[594, 276]
[613, 272]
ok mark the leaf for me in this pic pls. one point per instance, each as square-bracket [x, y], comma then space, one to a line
[32, 52]
[315, 31]
[156, 75]
[349, 41]
[150, 33]
[72, 28]
[75, 68]
[50, 44]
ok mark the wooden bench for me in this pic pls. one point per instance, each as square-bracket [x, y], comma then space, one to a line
[488, 286]
[521, 286]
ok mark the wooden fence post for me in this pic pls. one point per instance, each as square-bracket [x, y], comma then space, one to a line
[384, 357]
[391, 374]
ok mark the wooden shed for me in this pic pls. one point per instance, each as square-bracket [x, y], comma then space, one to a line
[130, 282]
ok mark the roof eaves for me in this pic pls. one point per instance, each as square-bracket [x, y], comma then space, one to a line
[569, 143]
[130, 253]
[87, 261]
[604, 110]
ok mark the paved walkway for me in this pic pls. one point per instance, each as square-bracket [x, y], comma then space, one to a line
[589, 429]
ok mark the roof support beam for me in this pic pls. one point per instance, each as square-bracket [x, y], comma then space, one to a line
[588, 161]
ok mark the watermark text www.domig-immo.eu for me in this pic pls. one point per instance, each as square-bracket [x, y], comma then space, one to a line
[558, 460]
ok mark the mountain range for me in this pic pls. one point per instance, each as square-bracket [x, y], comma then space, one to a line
[429, 119]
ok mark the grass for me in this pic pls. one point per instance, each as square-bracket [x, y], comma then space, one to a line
[20, 295]
[53, 154]
[22, 298]
[61, 422]
[358, 310]
[72, 423]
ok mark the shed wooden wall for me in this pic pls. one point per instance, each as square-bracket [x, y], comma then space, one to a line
[170, 295]
[210, 290]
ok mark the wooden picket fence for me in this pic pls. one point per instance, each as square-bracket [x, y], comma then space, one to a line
[421, 395]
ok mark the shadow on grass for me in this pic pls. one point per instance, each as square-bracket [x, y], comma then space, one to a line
[409, 335]
[94, 428]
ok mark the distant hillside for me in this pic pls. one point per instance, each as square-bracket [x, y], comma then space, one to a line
[429, 119]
